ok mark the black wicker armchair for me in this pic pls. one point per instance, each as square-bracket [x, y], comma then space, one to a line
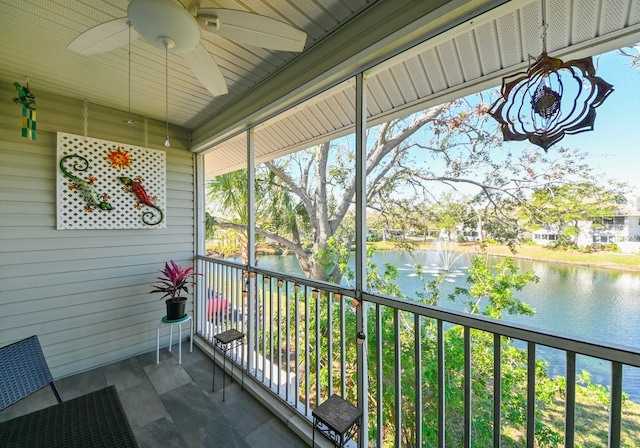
[23, 371]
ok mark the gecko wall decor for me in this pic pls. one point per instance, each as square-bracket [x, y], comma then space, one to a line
[84, 186]
[90, 192]
[135, 186]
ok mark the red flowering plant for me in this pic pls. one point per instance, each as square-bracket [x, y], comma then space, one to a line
[175, 280]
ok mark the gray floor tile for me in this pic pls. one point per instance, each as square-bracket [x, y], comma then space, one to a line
[189, 357]
[142, 404]
[190, 407]
[244, 412]
[220, 434]
[167, 375]
[161, 433]
[125, 374]
[82, 383]
[201, 373]
[274, 434]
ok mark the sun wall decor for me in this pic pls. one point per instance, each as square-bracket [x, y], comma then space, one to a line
[100, 185]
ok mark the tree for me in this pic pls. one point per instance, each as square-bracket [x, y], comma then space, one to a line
[275, 211]
[568, 207]
[451, 147]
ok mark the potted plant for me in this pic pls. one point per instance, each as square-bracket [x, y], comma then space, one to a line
[175, 280]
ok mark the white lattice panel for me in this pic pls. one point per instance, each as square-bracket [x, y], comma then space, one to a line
[94, 185]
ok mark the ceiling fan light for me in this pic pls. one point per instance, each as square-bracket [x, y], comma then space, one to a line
[155, 19]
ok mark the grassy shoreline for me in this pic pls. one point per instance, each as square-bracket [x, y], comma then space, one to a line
[606, 260]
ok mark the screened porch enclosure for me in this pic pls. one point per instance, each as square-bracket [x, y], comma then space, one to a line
[413, 367]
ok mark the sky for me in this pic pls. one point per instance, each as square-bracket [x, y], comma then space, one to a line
[613, 145]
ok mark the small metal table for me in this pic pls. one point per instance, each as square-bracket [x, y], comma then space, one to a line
[226, 341]
[337, 419]
[94, 420]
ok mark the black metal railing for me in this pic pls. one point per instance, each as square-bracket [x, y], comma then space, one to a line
[302, 344]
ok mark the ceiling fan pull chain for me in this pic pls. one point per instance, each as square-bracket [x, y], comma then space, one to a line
[86, 118]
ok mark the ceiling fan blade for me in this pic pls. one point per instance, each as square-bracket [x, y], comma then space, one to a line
[104, 37]
[252, 29]
[206, 70]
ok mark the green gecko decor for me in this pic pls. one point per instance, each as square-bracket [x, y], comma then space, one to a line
[93, 198]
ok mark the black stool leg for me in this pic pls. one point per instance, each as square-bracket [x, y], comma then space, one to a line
[213, 386]
[224, 373]
[241, 368]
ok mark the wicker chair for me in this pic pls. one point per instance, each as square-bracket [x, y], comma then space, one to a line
[23, 371]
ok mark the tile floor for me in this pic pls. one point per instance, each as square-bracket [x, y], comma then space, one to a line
[171, 405]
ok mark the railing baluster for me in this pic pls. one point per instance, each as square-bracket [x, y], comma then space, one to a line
[397, 375]
[343, 349]
[497, 390]
[615, 409]
[269, 292]
[418, 377]
[318, 351]
[287, 318]
[441, 386]
[307, 357]
[570, 401]
[262, 301]
[329, 342]
[531, 394]
[379, 376]
[297, 346]
[467, 387]
[279, 341]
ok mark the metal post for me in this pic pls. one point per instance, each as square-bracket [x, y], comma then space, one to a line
[251, 221]
[361, 250]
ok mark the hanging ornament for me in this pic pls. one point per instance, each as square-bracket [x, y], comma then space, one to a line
[549, 100]
[28, 101]
[135, 186]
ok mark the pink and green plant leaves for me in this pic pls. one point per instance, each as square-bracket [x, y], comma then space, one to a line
[176, 280]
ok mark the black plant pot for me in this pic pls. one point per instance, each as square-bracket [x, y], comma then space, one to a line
[176, 309]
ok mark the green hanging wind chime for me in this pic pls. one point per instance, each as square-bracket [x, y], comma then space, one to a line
[28, 101]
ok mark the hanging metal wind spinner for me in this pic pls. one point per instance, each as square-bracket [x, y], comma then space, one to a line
[549, 100]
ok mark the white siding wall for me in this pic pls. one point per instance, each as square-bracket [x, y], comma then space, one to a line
[83, 292]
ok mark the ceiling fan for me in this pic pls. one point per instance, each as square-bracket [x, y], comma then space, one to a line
[169, 25]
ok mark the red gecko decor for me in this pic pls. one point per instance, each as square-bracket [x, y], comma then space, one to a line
[135, 186]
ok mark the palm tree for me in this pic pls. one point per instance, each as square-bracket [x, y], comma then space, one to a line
[278, 216]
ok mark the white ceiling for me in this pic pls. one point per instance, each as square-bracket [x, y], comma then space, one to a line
[35, 34]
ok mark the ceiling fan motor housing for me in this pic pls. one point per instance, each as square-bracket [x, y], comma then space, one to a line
[159, 20]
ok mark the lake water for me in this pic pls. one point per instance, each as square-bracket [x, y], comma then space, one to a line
[580, 301]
